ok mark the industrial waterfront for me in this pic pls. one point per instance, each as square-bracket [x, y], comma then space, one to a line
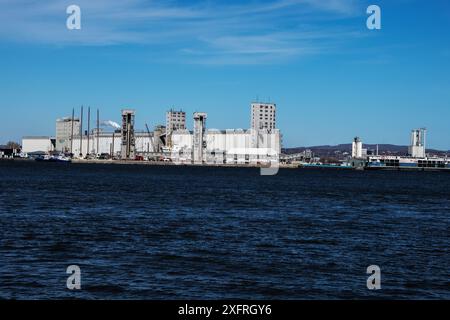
[173, 143]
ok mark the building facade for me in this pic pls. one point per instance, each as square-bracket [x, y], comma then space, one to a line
[357, 148]
[175, 120]
[65, 128]
[232, 146]
[38, 144]
[128, 139]
[199, 138]
[417, 146]
[263, 116]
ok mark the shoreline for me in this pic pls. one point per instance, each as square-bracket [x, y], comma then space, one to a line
[160, 163]
[157, 163]
[281, 166]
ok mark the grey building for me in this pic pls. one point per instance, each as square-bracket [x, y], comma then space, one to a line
[64, 131]
[263, 116]
[175, 120]
[128, 146]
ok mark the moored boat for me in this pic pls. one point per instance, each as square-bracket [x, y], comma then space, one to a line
[60, 158]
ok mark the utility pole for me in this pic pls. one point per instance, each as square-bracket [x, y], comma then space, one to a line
[71, 133]
[98, 131]
[88, 132]
[81, 133]
[112, 146]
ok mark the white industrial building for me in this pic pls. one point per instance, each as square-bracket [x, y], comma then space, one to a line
[232, 146]
[221, 146]
[417, 146]
[38, 144]
[259, 144]
[416, 149]
[110, 143]
[357, 148]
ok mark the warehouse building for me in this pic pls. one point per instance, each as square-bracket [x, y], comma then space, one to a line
[232, 146]
[38, 144]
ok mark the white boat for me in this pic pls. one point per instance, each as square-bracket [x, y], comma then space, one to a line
[59, 158]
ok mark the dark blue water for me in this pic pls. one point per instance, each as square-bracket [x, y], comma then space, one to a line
[143, 232]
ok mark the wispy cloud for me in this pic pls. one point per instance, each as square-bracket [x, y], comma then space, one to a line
[210, 32]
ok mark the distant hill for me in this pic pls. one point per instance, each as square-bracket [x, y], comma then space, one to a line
[332, 151]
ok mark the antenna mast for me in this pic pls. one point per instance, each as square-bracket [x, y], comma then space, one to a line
[81, 133]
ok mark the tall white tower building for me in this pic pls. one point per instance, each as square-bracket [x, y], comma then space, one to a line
[417, 147]
[357, 150]
[263, 116]
[199, 136]
[128, 144]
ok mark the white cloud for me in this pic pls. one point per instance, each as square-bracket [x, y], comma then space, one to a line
[216, 30]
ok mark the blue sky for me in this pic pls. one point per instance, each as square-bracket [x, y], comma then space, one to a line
[330, 76]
